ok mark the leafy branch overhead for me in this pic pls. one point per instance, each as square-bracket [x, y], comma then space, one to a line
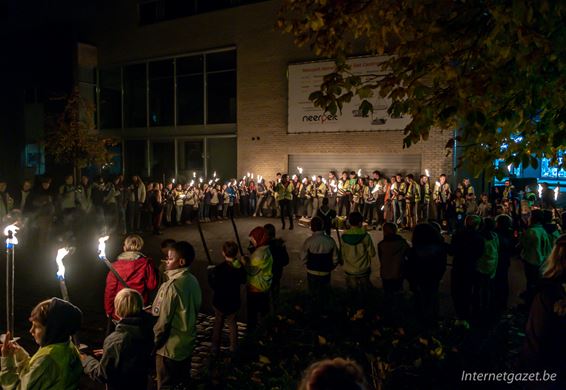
[495, 71]
[73, 139]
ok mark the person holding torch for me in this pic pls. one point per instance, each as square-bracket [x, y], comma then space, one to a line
[136, 270]
[56, 364]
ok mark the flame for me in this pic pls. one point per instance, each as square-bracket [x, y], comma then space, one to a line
[556, 192]
[382, 207]
[173, 180]
[359, 172]
[200, 179]
[324, 180]
[248, 174]
[540, 190]
[305, 180]
[214, 174]
[252, 175]
[427, 172]
[61, 253]
[437, 184]
[192, 183]
[509, 167]
[194, 174]
[209, 182]
[14, 229]
[102, 247]
[260, 178]
[295, 177]
[313, 177]
[300, 169]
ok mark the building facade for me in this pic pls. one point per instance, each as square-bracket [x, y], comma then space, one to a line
[210, 93]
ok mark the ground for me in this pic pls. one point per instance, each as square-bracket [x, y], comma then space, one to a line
[85, 277]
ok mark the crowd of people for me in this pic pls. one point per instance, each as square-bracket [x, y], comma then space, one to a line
[156, 316]
[132, 206]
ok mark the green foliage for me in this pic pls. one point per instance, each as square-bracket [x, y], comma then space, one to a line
[73, 139]
[492, 70]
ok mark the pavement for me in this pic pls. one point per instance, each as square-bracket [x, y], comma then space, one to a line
[85, 277]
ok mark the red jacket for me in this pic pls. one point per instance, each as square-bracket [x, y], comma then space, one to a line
[137, 271]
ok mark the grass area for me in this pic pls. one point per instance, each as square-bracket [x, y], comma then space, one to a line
[385, 337]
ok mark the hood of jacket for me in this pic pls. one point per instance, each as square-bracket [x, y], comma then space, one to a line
[63, 320]
[130, 255]
[354, 236]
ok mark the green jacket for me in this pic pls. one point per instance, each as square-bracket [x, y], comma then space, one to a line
[487, 263]
[53, 367]
[177, 304]
[536, 245]
[284, 192]
[357, 252]
[259, 269]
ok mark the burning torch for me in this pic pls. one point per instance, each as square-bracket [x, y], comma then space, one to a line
[102, 256]
[11, 241]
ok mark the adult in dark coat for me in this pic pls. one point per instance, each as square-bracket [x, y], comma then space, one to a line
[426, 264]
[467, 247]
[545, 334]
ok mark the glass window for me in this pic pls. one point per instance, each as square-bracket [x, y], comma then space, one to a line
[135, 114]
[190, 65]
[190, 155]
[222, 157]
[190, 90]
[190, 100]
[162, 160]
[221, 97]
[110, 98]
[161, 93]
[135, 157]
[223, 60]
[549, 171]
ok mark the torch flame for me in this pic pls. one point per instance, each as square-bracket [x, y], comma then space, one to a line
[313, 177]
[102, 247]
[173, 180]
[540, 190]
[14, 229]
[194, 174]
[61, 253]
[300, 170]
[556, 192]
[359, 172]
[192, 183]
[427, 172]
[200, 179]
[214, 174]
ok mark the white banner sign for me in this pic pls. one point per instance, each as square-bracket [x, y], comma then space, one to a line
[304, 117]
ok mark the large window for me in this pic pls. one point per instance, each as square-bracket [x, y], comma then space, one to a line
[547, 171]
[161, 94]
[221, 87]
[190, 90]
[135, 157]
[110, 99]
[135, 98]
[190, 155]
[153, 11]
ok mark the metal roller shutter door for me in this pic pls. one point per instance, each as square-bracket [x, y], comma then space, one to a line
[388, 164]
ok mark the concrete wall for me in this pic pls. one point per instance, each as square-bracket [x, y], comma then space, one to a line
[263, 55]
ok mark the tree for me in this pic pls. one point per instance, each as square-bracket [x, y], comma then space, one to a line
[492, 70]
[74, 140]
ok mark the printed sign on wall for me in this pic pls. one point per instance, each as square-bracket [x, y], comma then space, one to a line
[304, 117]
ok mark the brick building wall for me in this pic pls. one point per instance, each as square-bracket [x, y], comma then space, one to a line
[263, 56]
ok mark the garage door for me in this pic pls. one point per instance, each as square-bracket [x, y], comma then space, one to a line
[388, 164]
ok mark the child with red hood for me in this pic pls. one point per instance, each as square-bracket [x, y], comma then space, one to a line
[137, 271]
[259, 276]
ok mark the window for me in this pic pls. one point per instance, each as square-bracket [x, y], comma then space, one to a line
[221, 87]
[161, 93]
[110, 99]
[190, 155]
[135, 157]
[87, 90]
[135, 89]
[162, 160]
[190, 90]
[548, 171]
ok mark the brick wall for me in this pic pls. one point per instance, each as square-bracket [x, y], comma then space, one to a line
[263, 56]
